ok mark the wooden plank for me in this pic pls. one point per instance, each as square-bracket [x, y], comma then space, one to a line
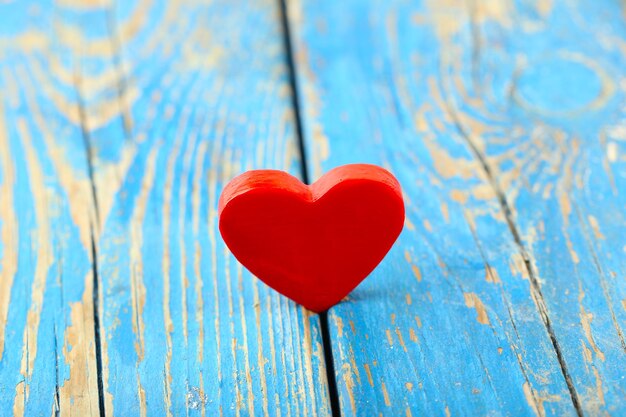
[504, 121]
[192, 93]
[47, 339]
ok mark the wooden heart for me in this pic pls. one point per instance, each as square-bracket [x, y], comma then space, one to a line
[313, 244]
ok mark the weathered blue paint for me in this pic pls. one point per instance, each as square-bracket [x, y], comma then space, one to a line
[203, 95]
[46, 313]
[467, 103]
[154, 105]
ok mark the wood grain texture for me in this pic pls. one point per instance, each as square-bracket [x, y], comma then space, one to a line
[47, 340]
[504, 122]
[180, 97]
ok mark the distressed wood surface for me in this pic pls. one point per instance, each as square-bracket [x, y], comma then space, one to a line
[119, 124]
[197, 92]
[47, 340]
[504, 121]
[120, 121]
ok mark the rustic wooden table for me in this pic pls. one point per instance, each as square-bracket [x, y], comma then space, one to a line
[504, 120]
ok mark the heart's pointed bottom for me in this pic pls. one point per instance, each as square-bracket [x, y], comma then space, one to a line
[319, 306]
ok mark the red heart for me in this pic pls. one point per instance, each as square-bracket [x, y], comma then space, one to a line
[313, 244]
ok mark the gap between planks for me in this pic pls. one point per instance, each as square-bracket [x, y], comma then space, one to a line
[513, 229]
[94, 232]
[295, 103]
[534, 281]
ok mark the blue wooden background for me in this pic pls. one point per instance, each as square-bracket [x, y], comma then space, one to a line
[504, 120]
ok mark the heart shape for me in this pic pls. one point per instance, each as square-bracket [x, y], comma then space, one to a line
[313, 244]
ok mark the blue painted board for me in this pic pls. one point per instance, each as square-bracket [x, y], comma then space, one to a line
[504, 122]
[47, 340]
[192, 93]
